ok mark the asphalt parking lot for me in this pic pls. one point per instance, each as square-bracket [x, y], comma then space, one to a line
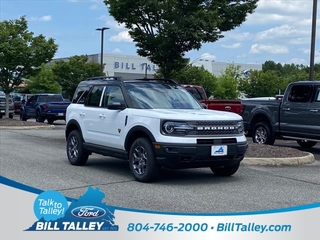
[38, 158]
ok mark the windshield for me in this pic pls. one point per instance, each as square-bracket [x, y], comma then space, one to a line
[161, 96]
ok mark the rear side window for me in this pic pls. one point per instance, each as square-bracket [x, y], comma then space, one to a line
[300, 93]
[50, 98]
[80, 94]
[94, 96]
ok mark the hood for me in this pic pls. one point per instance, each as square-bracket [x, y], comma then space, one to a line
[188, 114]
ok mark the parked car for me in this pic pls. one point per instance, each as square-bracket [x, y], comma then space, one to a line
[45, 106]
[3, 105]
[152, 123]
[215, 104]
[294, 115]
[17, 102]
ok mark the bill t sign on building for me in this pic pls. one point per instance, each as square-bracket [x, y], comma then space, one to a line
[130, 66]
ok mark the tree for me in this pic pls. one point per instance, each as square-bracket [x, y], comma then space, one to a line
[74, 70]
[197, 76]
[227, 83]
[21, 53]
[262, 84]
[44, 81]
[164, 30]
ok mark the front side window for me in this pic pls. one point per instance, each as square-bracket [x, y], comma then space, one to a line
[95, 96]
[112, 95]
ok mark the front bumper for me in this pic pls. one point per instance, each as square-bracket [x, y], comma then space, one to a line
[197, 155]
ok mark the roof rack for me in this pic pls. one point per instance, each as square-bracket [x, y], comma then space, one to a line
[165, 80]
[105, 78]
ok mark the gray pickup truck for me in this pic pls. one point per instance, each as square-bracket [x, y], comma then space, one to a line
[295, 116]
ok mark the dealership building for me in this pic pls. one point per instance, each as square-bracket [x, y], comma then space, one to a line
[128, 66]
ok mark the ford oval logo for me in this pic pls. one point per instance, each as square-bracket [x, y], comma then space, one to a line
[88, 212]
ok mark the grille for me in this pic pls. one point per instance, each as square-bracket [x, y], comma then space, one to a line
[217, 141]
[213, 128]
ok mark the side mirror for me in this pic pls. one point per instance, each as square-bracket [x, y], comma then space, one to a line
[116, 106]
[204, 105]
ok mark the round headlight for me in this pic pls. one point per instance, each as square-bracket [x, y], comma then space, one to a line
[168, 127]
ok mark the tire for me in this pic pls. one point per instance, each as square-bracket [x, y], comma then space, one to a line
[225, 171]
[22, 116]
[306, 144]
[262, 134]
[39, 118]
[50, 121]
[76, 154]
[11, 116]
[142, 161]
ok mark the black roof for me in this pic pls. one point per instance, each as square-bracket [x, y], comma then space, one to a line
[315, 82]
[103, 79]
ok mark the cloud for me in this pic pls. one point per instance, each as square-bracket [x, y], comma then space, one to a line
[285, 6]
[45, 18]
[279, 11]
[208, 56]
[109, 22]
[116, 50]
[267, 18]
[285, 33]
[94, 7]
[298, 61]
[239, 36]
[121, 37]
[274, 49]
[232, 46]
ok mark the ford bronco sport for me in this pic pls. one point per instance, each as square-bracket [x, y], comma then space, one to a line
[152, 123]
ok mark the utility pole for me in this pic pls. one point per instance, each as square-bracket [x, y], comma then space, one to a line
[101, 54]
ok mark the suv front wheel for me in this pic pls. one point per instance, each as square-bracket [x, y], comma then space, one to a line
[75, 152]
[142, 161]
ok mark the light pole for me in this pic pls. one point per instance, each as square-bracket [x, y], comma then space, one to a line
[101, 54]
[146, 71]
[313, 39]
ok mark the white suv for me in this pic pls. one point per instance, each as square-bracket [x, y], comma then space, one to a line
[152, 123]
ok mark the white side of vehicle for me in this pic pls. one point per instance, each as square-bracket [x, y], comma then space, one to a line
[106, 127]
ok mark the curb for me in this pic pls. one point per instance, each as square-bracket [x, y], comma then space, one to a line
[27, 127]
[309, 158]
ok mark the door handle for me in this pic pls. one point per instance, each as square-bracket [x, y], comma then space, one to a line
[228, 108]
[313, 110]
[82, 114]
[286, 109]
[102, 116]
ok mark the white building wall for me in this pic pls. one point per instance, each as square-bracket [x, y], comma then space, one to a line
[129, 66]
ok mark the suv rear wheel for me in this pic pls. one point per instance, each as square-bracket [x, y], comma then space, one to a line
[142, 161]
[75, 152]
[226, 170]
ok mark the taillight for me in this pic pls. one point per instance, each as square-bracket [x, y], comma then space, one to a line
[241, 109]
[45, 107]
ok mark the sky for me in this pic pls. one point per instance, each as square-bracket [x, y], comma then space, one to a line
[278, 30]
